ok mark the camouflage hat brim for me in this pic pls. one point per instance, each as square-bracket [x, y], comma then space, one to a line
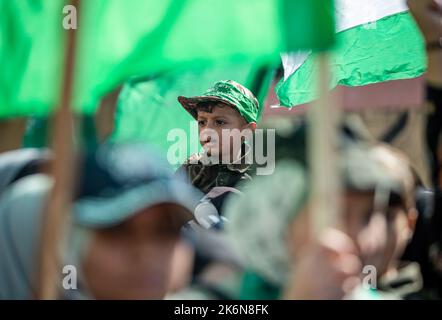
[191, 103]
[230, 93]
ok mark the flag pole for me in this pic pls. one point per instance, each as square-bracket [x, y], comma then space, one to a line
[56, 214]
[323, 117]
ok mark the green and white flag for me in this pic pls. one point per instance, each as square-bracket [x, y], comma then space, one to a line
[376, 41]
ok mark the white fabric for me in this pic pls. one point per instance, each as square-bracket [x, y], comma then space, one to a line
[292, 61]
[352, 13]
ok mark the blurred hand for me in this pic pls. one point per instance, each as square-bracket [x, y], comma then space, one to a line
[375, 243]
[428, 15]
[327, 269]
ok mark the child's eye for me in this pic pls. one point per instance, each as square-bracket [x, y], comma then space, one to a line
[220, 122]
[201, 123]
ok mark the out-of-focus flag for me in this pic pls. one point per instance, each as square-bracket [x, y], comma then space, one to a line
[376, 41]
[117, 39]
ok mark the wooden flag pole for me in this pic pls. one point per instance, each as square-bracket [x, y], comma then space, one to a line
[56, 214]
[323, 118]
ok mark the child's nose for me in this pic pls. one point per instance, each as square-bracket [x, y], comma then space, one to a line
[209, 125]
[208, 134]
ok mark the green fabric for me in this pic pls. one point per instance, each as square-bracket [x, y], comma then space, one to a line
[234, 94]
[37, 133]
[391, 51]
[118, 39]
[39, 129]
[148, 109]
[254, 287]
[30, 59]
[308, 24]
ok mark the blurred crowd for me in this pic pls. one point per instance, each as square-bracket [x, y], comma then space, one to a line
[217, 230]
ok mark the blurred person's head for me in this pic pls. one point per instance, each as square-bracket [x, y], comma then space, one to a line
[133, 259]
[20, 163]
[134, 210]
[379, 211]
[272, 224]
[226, 115]
[126, 219]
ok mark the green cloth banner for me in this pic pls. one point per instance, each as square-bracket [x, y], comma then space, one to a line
[118, 39]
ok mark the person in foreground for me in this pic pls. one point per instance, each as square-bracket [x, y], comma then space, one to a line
[356, 257]
[126, 220]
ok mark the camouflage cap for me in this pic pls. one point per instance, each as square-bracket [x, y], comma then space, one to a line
[369, 168]
[230, 93]
[119, 180]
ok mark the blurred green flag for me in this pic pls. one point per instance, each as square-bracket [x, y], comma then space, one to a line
[118, 39]
[31, 53]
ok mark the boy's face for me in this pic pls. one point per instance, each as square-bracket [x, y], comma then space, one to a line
[133, 260]
[211, 126]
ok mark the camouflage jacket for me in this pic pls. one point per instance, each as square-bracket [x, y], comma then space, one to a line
[207, 176]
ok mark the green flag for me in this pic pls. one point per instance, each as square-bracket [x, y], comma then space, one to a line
[31, 53]
[118, 39]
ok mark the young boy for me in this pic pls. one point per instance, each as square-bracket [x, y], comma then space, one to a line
[227, 116]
